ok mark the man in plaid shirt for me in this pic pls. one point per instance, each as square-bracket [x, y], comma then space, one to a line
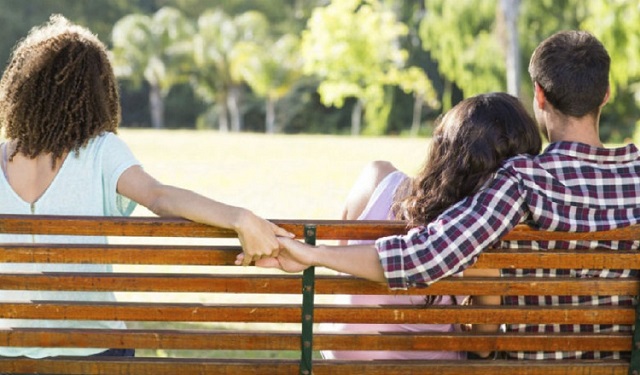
[574, 185]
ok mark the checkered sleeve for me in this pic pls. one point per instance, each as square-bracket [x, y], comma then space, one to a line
[453, 241]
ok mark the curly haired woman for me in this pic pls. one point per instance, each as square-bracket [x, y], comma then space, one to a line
[60, 109]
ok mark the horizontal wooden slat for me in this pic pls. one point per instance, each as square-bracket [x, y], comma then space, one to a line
[119, 254]
[327, 229]
[286, 340]
[147, 282]
[169, 227]
[163, 312]
[323, 313]
[528, 286]
[109, 226]
[290, 284]
[560, 259]
[471, 341]
[172, 366]
[146, 366]
[476, 314]
[151, 339]
[226, 255]
[472, 367]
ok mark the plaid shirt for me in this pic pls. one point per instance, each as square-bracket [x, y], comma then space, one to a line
[569, 187]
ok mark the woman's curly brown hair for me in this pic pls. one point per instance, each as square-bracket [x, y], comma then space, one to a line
[58, 91]
[469, 144]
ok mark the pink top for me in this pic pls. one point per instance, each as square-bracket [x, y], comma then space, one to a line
[378, 208]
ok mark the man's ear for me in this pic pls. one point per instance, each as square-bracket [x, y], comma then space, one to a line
[538, 94]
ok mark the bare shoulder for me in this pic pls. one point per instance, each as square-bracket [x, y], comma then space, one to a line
[362, 190]
[376, 171]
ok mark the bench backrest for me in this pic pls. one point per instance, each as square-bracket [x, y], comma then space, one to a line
[215, 317]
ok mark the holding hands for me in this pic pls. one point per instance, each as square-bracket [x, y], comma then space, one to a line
[293, 256]
[258, 238]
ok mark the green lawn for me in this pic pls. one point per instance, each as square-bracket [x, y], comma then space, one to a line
[279, 176]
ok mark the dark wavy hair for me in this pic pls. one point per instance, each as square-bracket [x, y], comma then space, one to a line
[572, 68]
[58, 91]
[469, 144]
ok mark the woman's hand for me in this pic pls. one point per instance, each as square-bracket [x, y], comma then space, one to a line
[258, 237]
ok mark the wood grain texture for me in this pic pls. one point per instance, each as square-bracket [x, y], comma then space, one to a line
[204, 338]
[291, 313]
[211, 339]
[290, 284]
[172, 366]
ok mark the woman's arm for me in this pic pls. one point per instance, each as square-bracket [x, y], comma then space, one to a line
[257, 236]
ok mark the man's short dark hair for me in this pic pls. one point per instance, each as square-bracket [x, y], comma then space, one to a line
[572, 68]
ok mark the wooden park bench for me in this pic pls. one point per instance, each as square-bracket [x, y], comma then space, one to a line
[219, 336]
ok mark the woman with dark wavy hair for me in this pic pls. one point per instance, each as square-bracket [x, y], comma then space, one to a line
[469, 144]
[60, 109]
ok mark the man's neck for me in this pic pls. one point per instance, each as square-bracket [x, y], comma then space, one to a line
[576, 136]
[572, 129]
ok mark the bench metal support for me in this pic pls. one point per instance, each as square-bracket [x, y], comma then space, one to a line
[308, 290]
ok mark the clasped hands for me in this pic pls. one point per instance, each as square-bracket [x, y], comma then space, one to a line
[291, 256]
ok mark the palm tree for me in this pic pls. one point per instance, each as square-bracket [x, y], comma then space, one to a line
[154, 49]
[216, 76]
[270, 70]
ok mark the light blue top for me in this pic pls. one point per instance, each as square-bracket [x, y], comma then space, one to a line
[85, 185]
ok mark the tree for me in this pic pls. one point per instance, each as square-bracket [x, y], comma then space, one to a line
[154, 49]
[462, 37]
[413, 80]
[352, 47]
[617, 25]
[216, 76]
[18, 16]
[465, 39]
[534, 25]
[270, 69]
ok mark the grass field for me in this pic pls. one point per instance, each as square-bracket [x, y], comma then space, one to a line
[276, 176]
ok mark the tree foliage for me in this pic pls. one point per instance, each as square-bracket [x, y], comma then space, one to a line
[270, 69]
[352, 46]
[463, 37]
[617, 25]
[384, 60]
[216, 74]
[153, 49]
